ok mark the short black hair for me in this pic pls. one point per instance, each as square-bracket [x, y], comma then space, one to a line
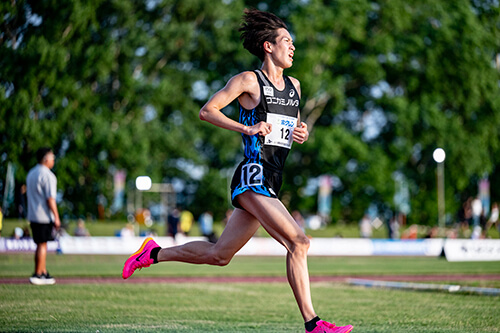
[41, 153]
[259, 27]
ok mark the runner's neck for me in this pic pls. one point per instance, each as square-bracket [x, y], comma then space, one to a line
[274, 74]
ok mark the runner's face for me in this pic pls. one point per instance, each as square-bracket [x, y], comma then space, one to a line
[283, 48]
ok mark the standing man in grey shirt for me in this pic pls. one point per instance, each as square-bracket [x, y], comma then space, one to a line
[42, 211]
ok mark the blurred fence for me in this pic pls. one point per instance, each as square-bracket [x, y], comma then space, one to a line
[454, 249]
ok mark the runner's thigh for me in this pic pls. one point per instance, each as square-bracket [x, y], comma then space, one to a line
[239, 229]
[274, 217]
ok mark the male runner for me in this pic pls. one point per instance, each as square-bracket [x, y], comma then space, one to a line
[269, 122]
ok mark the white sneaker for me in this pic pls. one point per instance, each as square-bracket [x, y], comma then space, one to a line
[42, 280]
[48, 279]
[36, 280]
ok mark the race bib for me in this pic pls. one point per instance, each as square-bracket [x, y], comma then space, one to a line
[283, 126]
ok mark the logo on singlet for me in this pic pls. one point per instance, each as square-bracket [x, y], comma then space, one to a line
[268, 91]
[292, 93]
[282, 101]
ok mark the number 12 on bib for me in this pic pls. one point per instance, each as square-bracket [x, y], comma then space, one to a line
[283, 126]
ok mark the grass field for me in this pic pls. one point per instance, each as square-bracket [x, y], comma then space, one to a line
[134, 306]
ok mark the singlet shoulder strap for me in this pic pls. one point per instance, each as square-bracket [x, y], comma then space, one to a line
[263, 78]
[264, 84]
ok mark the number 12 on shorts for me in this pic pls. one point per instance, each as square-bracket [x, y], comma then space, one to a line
[251, 174]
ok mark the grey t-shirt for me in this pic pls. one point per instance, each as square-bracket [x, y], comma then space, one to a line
[41, 185]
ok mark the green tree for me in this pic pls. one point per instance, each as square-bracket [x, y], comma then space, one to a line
[113, 85]
[399, 79]
[118, 85]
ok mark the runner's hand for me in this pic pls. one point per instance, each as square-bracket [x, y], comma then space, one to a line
[300, 133]
[261, 128]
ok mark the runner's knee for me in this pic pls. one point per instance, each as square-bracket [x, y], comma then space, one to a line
[300, 244]
[221, 259]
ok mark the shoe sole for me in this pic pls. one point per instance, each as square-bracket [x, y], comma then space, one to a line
[36, 281]
[137, 253]
[42, 282]
[49, 282]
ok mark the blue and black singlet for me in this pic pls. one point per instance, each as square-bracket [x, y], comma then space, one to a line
[262, 168]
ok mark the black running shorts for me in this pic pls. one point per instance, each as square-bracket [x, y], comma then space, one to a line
[257, 179]
[42, 232]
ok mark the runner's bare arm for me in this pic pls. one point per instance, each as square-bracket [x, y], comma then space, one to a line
[296, 84]
[244, 83]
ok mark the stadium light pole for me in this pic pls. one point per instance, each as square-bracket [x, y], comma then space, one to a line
[439, 156]
[142, 183]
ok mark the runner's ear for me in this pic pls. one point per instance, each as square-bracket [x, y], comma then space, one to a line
[267, 47]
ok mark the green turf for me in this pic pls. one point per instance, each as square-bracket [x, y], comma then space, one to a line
[236, 307]
[21, 265]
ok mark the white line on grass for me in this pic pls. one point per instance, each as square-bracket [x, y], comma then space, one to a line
[424, 286]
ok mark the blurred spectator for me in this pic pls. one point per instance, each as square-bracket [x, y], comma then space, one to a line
[465, 212]
[477, 210]
[432, 233]
[476, 232]
[493, 220]
[101, 206]
[21, 233]
[465, 217]
[143, 216]
[483, 221]
[229, 212]
[173, 221]
[411, 232]
[394, 228]
[187, 220]
[127, 231]
[26, 232]
[21, 208]
[81, 230]
[365, 227]
[452, 234]
[18, 233]
[299, 219]
[42, 211]
[206, 226]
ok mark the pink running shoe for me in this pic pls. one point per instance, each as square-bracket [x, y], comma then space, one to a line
[140, 259]
[326, 327]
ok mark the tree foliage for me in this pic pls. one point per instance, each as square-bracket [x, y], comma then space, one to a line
[398, 80]
[116, 85]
